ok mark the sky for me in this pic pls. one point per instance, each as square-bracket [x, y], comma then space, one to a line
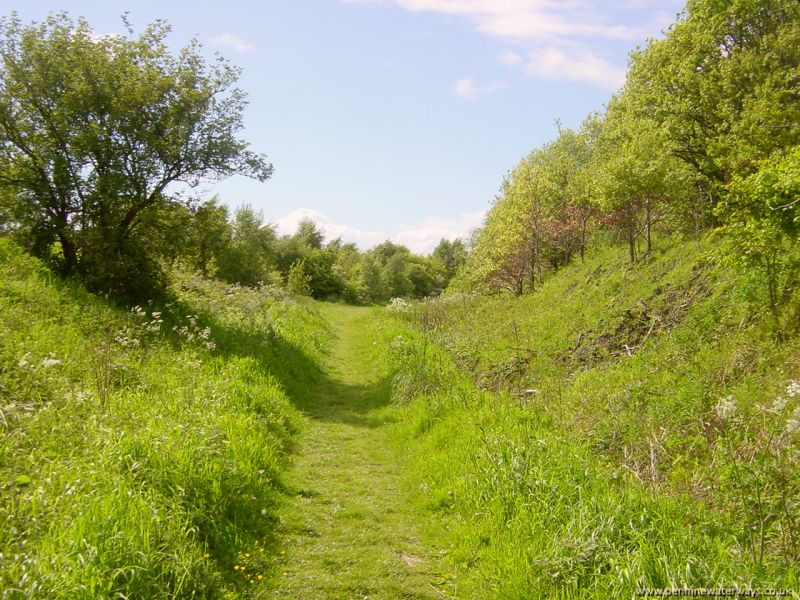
[395, 119]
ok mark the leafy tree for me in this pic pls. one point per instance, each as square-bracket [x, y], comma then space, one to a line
[395, 277]
[210, 235]
[309, 234]
[451, 255]
[722, 84]
[250, 257]
[298, 282]
[636, 180]
[370, 283]
[762, 216]
[97, 132]
[324, 279]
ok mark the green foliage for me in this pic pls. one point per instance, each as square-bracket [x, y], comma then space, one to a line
[249, 257]
[298, 282]
[142, 452]
[761, 225]
[97, 132]
[680, 148]
[624, 427]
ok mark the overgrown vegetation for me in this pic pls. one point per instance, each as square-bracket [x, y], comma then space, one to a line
[630, 419]
[241, 248]
[702, 136]
[141, 450]
[624, 427]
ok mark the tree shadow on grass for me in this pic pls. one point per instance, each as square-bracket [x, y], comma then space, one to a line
[310, 388]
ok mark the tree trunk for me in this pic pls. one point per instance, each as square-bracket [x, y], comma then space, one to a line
[70, 253]
[632, 240]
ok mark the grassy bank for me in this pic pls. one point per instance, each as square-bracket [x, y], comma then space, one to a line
[624, 427]
[141, 452]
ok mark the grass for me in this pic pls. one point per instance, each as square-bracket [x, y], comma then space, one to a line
[232, 443]
[142, 452]
[624, 427]
[350, 530]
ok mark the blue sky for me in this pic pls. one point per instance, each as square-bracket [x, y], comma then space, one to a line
[397, 118]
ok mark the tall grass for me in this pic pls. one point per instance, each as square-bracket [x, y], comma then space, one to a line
[624, 427]
[141, 450]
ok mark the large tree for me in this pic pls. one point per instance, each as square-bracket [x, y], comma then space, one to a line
[96, 131]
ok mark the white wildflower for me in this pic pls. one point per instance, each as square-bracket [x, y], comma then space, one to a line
[793, 388]
[397, 305]
[50, 362]
[726, 407]
[779, 404]
[23, 362]
[793, 424]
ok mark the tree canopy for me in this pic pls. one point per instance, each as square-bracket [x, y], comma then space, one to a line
[702, 136]
[96, 132]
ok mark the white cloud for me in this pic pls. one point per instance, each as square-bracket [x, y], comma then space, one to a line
[509, 58]
[232, 42]
[540, 20]
[552, 63]
[421, 238]
[571, 34]
[365, 239]
[467, 89]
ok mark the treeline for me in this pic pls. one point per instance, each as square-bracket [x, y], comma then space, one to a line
[703, 135]
[240, 248]
[102, 140]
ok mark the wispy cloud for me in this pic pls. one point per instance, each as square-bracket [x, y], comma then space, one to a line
[232, 42]
[421, 238]
[424, 237]
[572, 35]
[539, 20]
[509, 58]
[468, 89]
[552, 63]
[332, 230]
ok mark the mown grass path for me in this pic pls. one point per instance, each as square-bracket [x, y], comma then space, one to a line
[349, 529]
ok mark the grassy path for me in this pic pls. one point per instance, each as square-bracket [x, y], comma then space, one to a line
[350, 531]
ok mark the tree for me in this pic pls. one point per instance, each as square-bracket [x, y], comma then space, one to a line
[762, 216]
[451, 255]
[370, 282]
[298, 282]
[210, 236]
[96, 131]
[395, 276]
[249, 259]
[637, 181]
[309, 234]
[723, 86]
